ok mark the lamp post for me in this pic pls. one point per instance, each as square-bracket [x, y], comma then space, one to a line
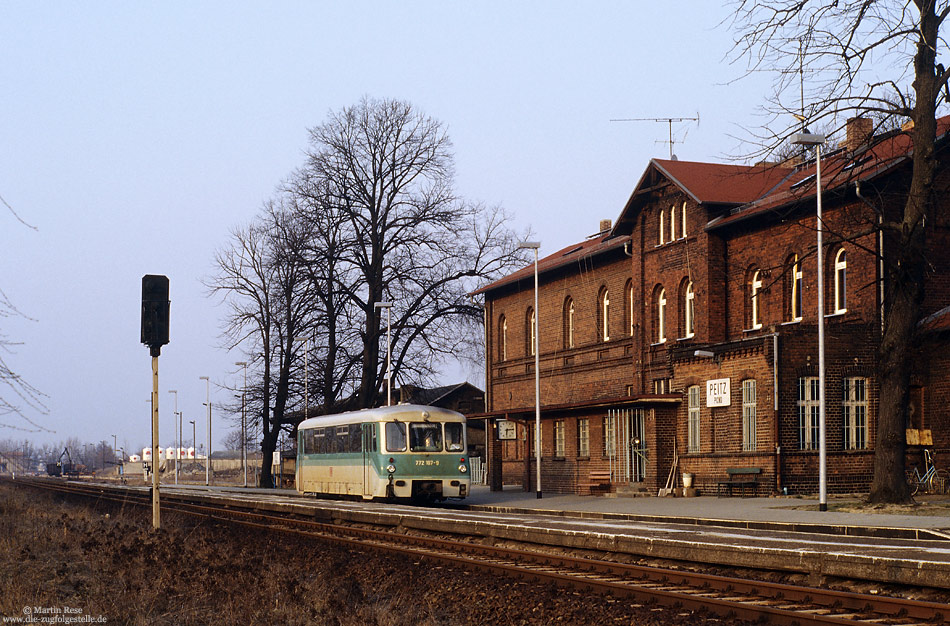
[114, 449]
[243, 422]
[174, 391]
[535, 245]
[208, 404]
[389, 374]
[809, 139]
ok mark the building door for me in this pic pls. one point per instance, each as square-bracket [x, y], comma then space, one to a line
[625, 445]
[638, 446]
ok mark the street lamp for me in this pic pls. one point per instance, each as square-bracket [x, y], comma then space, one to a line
[243, 421]
[535, 245]
[809, 139]
[208, 404]
[114, 449]
[389, 374]
[177, 444]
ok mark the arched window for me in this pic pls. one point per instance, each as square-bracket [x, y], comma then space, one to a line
[683, 221]
[502, 338]
[661, 316]
[755, 286]
[673, 222]
[794, 289]
[569, 322]
[531, 330]
[603, 315]
[628, 307]
[841, 286]
[689, 309]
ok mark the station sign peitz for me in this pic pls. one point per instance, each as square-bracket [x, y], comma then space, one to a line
[717, 392]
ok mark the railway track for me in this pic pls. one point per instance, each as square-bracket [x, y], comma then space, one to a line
[728, 597]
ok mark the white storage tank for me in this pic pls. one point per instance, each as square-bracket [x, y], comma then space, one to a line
[134, 458]
[147, 455]
[191, 453]
[170, 453]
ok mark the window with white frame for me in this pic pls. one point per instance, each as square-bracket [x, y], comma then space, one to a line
[748, 415]
[532, 334]
[692, 421]
[583, 437]
[754, 288]
[683, 221]
[569, 323]
[808, 395]
[559, 438]
[841, 286]
[661, 316]
[503, 337]
[628, 289]
[605, 315]
[673, 222]
[796, 295]
[662, 228]
[855, 413]
[690, 310]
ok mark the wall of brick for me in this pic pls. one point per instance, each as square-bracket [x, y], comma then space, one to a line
[635, 363]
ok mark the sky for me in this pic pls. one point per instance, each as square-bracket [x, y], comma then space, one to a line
[134, 136]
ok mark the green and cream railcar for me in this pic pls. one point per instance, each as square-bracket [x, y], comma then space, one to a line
[403, 451]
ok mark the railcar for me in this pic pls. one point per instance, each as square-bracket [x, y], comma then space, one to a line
[405, 451]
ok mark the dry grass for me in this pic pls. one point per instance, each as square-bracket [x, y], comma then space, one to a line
[108, 562]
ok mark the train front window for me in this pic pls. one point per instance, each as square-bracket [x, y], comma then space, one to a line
[454, 433]
[425, 437]
[395, 437]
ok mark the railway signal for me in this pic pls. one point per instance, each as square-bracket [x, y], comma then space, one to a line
[155, 318]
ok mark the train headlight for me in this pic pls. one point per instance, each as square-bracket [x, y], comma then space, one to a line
[463, 468]
[391, 468]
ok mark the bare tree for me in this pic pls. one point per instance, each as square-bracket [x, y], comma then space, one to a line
[371, 216]
[270, 303]
[832, 44]
[386, 172]
[16, 394]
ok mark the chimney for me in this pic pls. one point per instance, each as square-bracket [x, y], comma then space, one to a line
[605, 226]
[859, 132]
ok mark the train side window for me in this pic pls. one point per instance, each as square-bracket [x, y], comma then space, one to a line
[395, 437]
[318, 441]
[454, 438]
[340, 439]
[425, 437]
[355, 442]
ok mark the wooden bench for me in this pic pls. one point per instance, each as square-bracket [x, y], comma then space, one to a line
[740, 477]
[598, 480]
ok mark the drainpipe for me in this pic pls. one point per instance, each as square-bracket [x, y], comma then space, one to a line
[775, 429]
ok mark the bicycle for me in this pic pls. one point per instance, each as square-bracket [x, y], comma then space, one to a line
[933, 480]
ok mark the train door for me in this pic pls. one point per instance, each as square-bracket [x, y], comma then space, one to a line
[369, 458]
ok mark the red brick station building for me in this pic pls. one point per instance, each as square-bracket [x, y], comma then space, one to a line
[683, 337]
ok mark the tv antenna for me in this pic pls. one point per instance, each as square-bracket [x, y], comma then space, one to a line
[668, 120]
